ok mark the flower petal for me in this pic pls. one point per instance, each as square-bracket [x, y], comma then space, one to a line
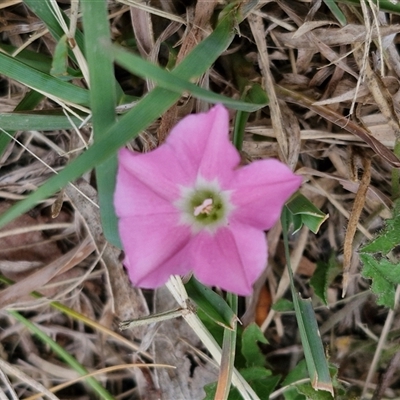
[232, 259]
[158, 170]
[132, 196]
[155, 248]
[202, 147]
[260, 190]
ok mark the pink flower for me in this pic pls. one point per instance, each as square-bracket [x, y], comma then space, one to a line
[188, 206]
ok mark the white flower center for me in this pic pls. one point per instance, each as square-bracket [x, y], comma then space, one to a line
[204, 206]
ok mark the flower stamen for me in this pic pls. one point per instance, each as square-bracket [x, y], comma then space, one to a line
[204, 208]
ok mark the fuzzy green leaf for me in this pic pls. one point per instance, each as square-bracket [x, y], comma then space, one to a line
[385, 277]
[323, 277]
[389, 237]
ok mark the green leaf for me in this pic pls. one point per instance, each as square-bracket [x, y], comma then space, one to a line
[389, 238]
[35, 60]
[211, 303]
[305, 390]
[385, 277]
[42, 82]
[336, 11]
[384, 5]
[60, 59]
[314, 353]
[30, 101]
[250, 349]
[283, 305]
[311, 394]
[303, 212]
[103, 102]
[384, 273]
[63, 354]
[41, 120]
[173, 82]
[256, 94]
[260, 379]
[323, 277]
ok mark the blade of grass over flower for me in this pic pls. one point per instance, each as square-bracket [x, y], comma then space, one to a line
[317, 364]
[171, 81]
[103, 103]
[63, 354]
[42, 82]
[134, 121]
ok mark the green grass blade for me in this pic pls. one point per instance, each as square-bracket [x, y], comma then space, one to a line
[134, 121]
[29, 102]
[42, 82]
[38, 61]
[63, 354]
[317, 364]
[39, 121]
[174, 83]
[336, 11]
[103, 103]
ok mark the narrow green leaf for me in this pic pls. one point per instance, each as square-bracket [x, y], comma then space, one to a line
[336, 11]
[43, 120]
[173, 82]
[39, 61]
[63, 354]
[303, 212]
[317, 364]
[42, 82]
[211, 303]
[134, 121]
[384, 5]
[29, 101]
[313, 350]
[255, 94]
[103, 103]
